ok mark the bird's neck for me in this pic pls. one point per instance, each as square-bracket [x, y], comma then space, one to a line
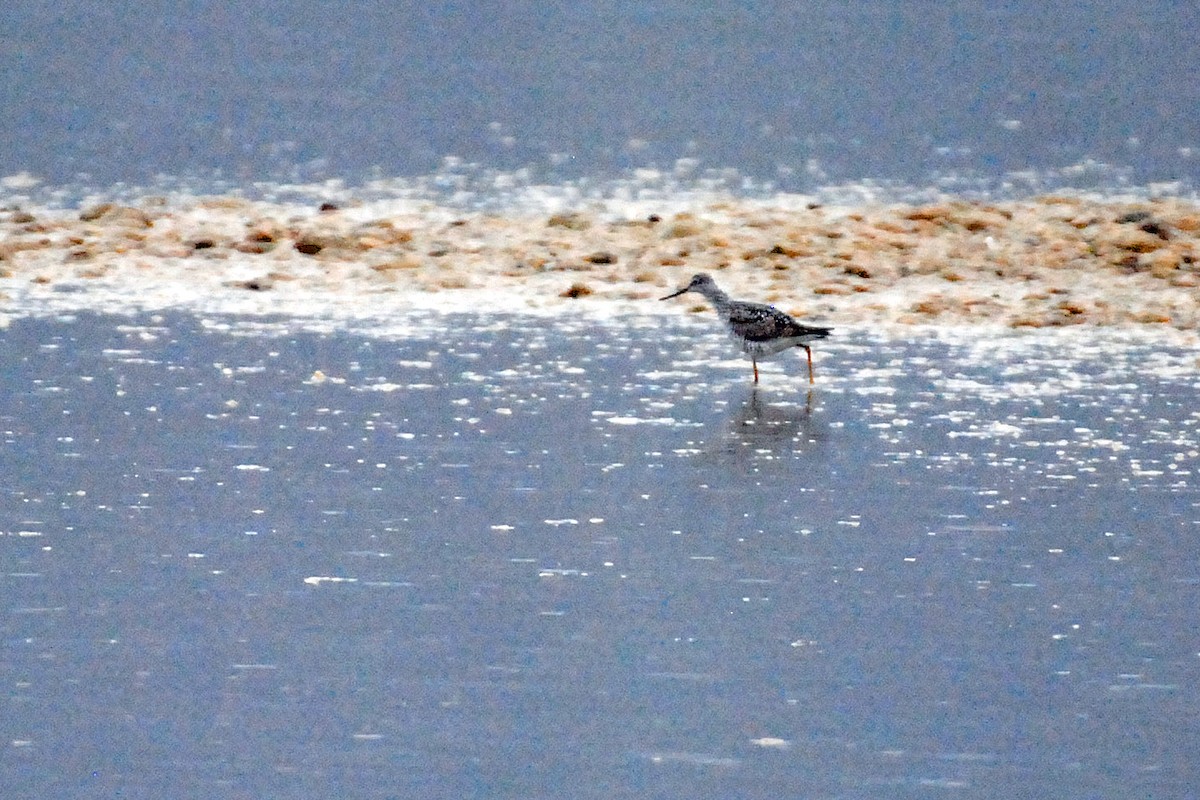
[719, 299]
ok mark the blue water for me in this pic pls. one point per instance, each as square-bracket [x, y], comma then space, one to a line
[791, 96]
[514, 558]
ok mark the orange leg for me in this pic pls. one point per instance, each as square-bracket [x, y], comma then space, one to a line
[755, 363]
[808, 350]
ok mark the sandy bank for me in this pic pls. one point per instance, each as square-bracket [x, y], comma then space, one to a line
[1045, 262]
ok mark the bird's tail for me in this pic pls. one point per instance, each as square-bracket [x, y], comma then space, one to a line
[818, 333]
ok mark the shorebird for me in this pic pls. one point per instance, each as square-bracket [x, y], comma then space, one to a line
[761, 330]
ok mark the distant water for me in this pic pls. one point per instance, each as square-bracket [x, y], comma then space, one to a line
[512, 558]
[788, 96]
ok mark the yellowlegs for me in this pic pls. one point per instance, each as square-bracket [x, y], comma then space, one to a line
[761, 330]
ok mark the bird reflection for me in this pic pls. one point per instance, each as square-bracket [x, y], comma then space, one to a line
[764, 425]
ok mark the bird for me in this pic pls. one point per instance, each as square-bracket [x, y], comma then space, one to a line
[761, 330]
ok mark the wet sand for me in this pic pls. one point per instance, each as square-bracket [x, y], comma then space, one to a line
[1043, 262]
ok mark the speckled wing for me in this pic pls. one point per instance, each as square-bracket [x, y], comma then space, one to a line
[756, 322]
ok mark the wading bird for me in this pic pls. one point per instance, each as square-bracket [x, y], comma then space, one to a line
[761, 330]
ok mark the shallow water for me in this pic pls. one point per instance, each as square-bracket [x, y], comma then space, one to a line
[972, 95]
[516, 557]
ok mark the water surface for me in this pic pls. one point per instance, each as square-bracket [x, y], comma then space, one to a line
[793, 95]
[514, 557]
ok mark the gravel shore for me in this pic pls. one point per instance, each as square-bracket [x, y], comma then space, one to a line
[1048, 261]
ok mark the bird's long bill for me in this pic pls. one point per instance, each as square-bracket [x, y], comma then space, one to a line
[675, 294]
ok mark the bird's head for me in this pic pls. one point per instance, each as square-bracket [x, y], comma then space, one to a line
[698, 283]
